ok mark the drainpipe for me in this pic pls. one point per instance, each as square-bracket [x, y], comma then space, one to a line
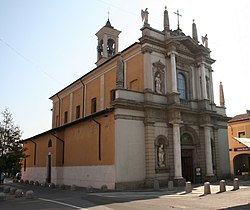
[99, 138]
[83, 89]
[61, 140]
[59, 108]
[34, 152]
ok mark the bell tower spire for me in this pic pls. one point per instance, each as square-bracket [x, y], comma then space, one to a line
[107, 46]
[166, 20]
[194, 31]
[222, 99]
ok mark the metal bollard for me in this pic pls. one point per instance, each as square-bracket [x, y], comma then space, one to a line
[236, 184]
[222, 186]
[207, 189]
[188, 188]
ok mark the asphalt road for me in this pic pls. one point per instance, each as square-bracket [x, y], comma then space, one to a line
[52, 199]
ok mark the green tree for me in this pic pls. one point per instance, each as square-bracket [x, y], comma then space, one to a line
[11, 150]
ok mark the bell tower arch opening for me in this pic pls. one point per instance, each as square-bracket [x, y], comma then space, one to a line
[107, 42]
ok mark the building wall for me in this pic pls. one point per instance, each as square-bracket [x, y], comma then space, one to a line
[233, 131]
[81, 152]
[134, 73]
[129, 146]
[223, 156]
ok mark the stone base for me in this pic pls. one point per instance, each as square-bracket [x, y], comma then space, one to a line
[179, 182]
[173, 98]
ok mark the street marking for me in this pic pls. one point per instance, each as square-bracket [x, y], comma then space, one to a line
[61, 203]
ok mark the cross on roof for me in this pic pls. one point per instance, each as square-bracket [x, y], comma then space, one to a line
[178, 16]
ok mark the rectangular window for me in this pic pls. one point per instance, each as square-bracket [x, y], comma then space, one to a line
[112, 95]
[93, 105]
[78, 112]
[242, 134]
[65, 117]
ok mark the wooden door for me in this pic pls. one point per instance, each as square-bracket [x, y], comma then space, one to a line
[187, 164]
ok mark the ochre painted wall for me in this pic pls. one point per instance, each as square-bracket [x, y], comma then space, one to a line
[109, 85]
[93, 91]
[134, 73]
[233, 131]
[81, 144]
[77, 100]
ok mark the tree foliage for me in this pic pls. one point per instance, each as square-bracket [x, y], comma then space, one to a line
[11, 150]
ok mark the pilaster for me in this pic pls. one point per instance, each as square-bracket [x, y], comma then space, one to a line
[148, 81]
[149, 150]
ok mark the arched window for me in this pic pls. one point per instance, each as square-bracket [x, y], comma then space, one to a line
[181, 86]
[111, 47]
[50, 143]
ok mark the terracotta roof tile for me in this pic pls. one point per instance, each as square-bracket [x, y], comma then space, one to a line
[240, 117]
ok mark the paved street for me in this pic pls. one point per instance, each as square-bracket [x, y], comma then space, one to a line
[46, 198]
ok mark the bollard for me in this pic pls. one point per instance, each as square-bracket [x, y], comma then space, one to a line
[73, 187]
[222, 186]
[104, 188]
[62, 186]
[29, 194]
[18, 193]
[6, 189]
[236, 184]
[170, 185]
[156, 185]
[52, 185]
[12, 190]
[2, 196]
[188, 188]
[207, 189]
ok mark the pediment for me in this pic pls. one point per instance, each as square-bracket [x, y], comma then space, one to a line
[187, 45]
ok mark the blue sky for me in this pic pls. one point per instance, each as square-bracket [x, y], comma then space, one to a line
[47, 44]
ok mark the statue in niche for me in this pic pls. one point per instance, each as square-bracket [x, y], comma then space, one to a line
[120, 73]
[158, 85]
[161, 156]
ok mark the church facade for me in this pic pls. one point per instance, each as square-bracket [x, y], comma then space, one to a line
[143, 114]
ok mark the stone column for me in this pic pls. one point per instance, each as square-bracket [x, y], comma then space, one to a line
[208, 151]
[203, 81]
[177, 152]
[173, 71]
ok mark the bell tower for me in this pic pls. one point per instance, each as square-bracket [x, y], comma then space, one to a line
[107, 45]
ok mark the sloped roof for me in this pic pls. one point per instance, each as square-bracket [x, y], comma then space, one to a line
[240, 117]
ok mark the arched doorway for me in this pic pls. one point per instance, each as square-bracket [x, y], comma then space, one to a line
[242, 164]
[187, 162]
